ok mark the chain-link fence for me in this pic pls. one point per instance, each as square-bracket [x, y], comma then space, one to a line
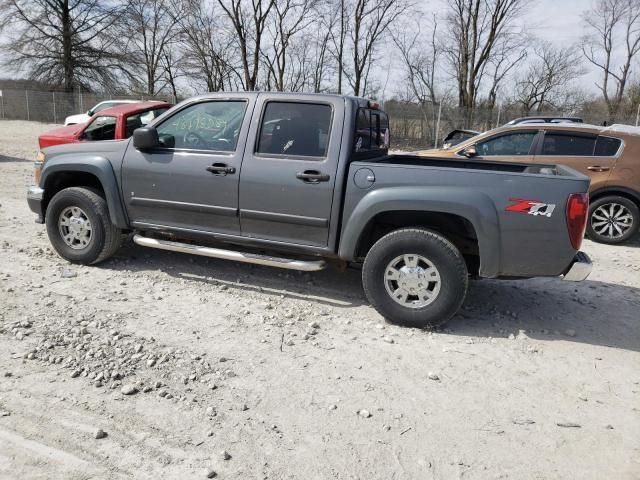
[53, 107]
[415, 126]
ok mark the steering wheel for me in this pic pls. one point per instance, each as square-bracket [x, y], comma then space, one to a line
[193, 140]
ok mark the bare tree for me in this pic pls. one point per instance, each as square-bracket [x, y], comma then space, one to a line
[420, 54]
[615, 26]
[477, 28]
[290, 18]
[371, 22]
[207, 45]
[61, 43]
[547, 79]
[145, 33]
[249, 20]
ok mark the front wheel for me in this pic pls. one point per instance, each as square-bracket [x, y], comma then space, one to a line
[613, 220]
[79, 227]
[415, 277]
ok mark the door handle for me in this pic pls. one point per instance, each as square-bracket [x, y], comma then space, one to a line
[312, 176]
[598, 168]
[221, 169]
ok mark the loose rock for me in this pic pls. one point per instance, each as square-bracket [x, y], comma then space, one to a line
[100, 434]
[129, 389]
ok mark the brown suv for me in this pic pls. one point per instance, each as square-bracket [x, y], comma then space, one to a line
[610, 156]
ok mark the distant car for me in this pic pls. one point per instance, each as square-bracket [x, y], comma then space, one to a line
[82, 118]
[521, 120]
[457, 136]
[113, 123]
[609, 156]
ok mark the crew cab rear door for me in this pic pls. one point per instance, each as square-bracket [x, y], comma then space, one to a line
[190, 181]
[289, 169]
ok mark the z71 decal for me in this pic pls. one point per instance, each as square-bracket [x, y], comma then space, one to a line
[531, 207]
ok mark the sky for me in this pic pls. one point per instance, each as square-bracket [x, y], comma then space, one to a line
[557, 21]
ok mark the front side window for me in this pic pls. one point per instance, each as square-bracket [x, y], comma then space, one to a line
[102, 128]
[568, 145]
[299, 129]
[211, 126]
[607, 146]
[510, 144]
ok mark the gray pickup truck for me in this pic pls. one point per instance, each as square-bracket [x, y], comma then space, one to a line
[301, 181]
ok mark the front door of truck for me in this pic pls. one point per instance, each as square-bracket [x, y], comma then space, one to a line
[190, 182]
[288, 174]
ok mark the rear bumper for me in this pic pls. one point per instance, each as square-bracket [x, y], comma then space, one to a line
[579, 269]
[35, 196]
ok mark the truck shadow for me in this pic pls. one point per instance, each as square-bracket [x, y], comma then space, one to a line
[546, 309]
[7, 159]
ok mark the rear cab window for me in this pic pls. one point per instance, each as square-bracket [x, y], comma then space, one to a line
[372, 135]
[295, 129]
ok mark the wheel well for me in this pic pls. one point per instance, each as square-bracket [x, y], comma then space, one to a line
[60, 181]
[619, 193]
[458, 230]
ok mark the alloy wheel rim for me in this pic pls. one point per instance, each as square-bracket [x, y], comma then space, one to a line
[412, 281]
[611, 220]
[75, 227]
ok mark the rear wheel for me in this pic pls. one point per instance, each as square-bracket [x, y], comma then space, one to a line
[613, 220]
[415, 277]
[79, 227]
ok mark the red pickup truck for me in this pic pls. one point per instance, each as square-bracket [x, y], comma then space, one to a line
[115, 123]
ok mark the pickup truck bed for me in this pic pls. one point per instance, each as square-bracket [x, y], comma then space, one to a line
[480, 193]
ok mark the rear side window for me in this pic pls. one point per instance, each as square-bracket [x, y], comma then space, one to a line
[102, 128]
[607, 146]
[296, 129]
[141, 119]
[568, 145]
[372, 131]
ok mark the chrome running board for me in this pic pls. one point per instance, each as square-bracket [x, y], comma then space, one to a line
[289, 263]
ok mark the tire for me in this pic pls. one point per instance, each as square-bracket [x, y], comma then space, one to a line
[437, 296]
[613, 220]
[92, 235]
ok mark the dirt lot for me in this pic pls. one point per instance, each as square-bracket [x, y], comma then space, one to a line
[257, 373]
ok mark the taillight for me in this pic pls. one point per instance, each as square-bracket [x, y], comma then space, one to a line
[577, 209]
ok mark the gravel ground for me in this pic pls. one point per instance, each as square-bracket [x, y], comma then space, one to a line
[161, 365]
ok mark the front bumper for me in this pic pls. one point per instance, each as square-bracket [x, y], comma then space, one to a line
[35, 196]
[579, 269]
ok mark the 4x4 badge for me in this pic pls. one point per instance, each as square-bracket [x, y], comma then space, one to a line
[531, 207]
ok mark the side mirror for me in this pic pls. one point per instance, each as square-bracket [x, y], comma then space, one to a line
[90, 113]
[470, 151]
[145, 138]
